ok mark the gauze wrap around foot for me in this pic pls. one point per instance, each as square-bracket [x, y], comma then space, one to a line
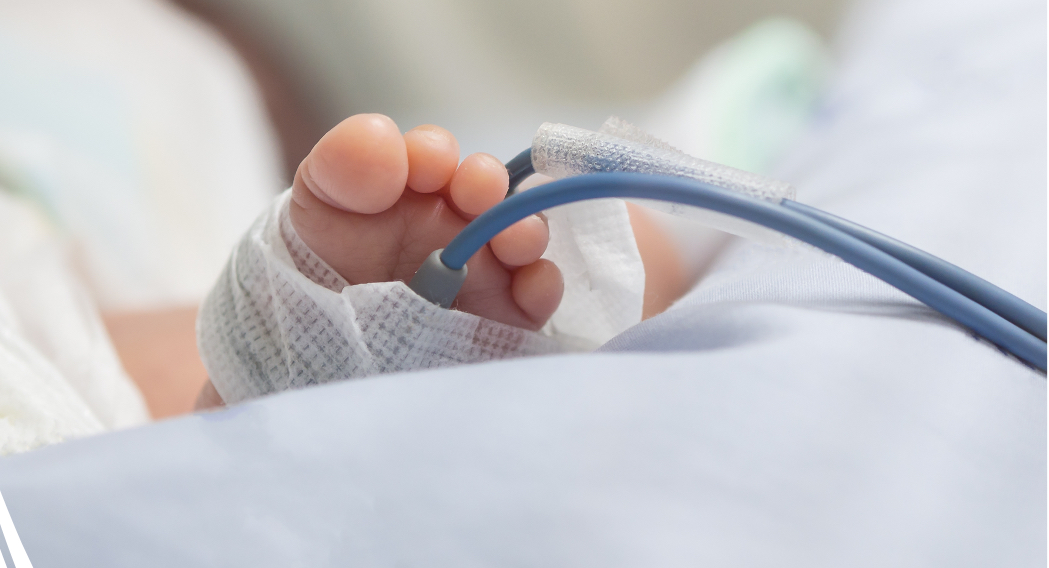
[280, 318]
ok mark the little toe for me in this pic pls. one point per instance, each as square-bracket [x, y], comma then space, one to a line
[523, 242]
[433, 154]
[360, 166]
[479, 183]
[537, 290]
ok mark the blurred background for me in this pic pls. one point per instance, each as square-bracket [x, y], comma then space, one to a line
[139, 139]
[491, 70]
[153, 131]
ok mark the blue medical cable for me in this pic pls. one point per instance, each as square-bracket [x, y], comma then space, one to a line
[1010, 307]
[938, 296]
[519, 168]
[1013, 309]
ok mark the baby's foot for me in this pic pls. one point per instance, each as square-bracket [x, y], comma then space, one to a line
[374, 204]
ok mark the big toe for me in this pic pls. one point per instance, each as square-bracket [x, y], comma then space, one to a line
[360, 166]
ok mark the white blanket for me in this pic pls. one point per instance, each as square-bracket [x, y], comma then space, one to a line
[790, 411]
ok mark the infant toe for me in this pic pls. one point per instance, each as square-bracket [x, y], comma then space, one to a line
[523, 242]
[433, 154]
[480, 182]
[360, 166]
[537, 290]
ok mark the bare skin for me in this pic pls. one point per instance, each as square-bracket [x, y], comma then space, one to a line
[373, 203]
[665, 278]
[159, 351]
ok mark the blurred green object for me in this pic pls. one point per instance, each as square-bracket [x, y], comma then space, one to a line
[769, 82]
[744, 103]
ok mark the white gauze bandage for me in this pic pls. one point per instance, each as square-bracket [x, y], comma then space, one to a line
[280, 318]
[560, 151]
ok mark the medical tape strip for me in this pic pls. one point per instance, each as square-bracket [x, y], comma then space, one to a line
[280, 318]
[560, 151]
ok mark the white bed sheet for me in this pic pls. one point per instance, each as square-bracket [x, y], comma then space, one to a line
[791, 411]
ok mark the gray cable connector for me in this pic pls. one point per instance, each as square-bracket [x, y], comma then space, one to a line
[437, 283]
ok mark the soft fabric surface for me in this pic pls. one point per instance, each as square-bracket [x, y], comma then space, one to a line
[791, 411]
